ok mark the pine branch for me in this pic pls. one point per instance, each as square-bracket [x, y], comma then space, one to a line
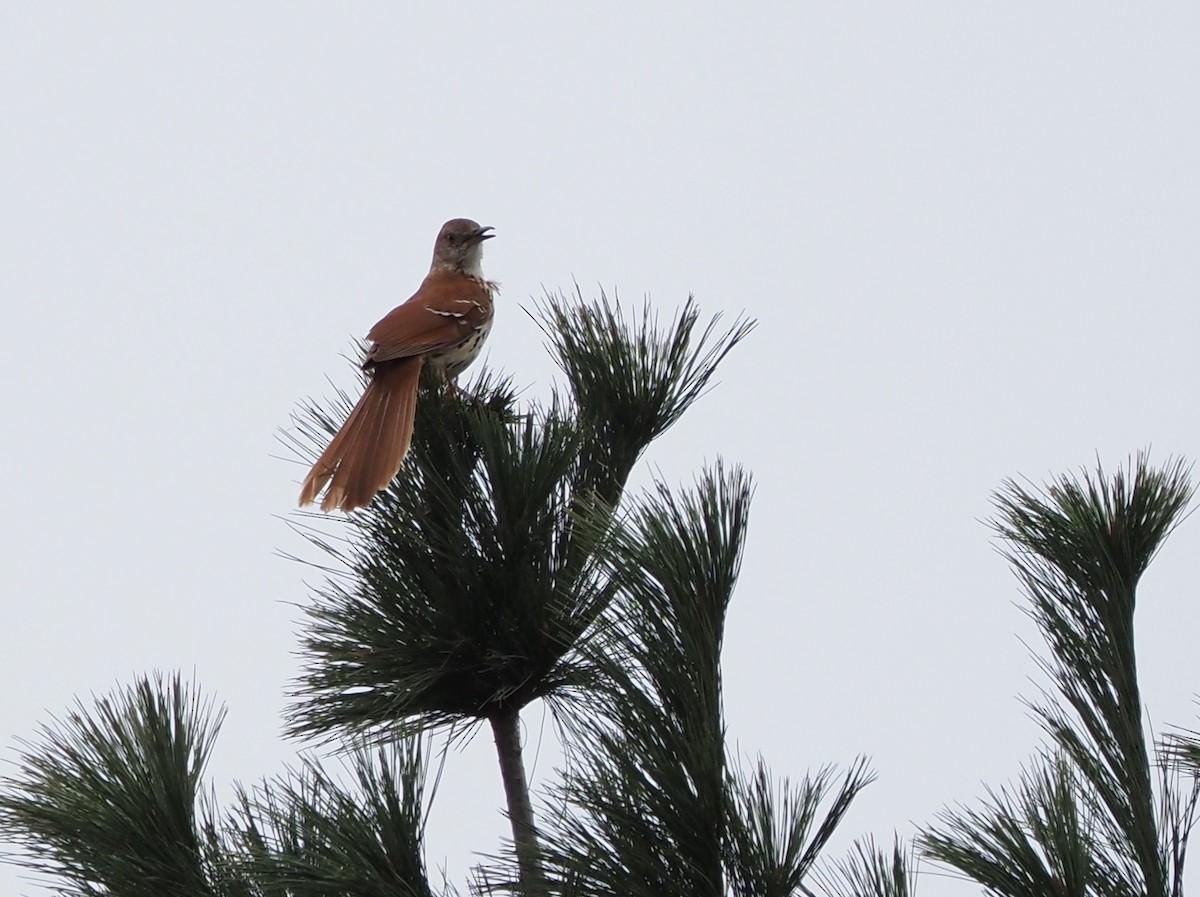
[630, 379]
[643, 810]
[1036, 840]
[649, 804]
[870, 871]
[106, 799]
[777, 830]
[1080, 549]
[1092, 822]
[306, 835]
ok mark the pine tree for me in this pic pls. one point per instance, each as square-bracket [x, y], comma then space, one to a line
[504, 566]
[507, 565]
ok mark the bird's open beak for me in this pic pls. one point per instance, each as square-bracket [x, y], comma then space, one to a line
[482, 234]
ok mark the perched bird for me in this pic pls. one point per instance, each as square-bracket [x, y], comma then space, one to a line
[444, 325]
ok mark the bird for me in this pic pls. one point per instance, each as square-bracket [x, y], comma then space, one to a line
[443, 325]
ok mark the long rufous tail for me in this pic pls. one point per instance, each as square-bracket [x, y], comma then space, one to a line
[367, 451]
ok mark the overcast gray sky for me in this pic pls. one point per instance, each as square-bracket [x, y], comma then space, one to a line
[969, 232]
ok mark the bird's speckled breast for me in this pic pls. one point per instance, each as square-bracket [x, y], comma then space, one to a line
[454, 360]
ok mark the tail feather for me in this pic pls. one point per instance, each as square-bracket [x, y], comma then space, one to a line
[386, 452]
[363, 470]
[393, 443]
[367, 451]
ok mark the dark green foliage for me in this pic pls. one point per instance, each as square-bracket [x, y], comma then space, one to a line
[648, 806]
[108, 802]
[306, 835]
[646, 796]
[459, 600]
[630, 381]
[1036, 839]
[777, 831]
[869, 871]
[1091, 821]
[106, 799]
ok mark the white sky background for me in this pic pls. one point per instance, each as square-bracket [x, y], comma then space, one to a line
[969, 233]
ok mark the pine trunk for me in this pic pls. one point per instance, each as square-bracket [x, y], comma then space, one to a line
[506, 727]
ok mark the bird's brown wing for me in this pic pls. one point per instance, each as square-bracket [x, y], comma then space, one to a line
[443, 312]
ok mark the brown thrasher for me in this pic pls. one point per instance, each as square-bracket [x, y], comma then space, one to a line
[444, 325]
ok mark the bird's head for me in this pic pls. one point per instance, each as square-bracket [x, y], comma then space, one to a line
[459, 247]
